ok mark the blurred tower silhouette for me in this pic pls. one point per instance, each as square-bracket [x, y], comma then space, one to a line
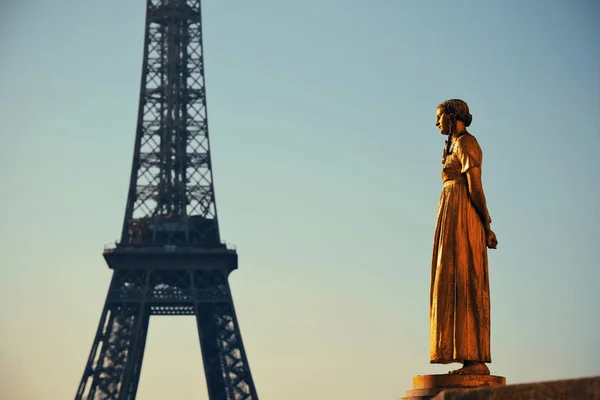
[170, 259]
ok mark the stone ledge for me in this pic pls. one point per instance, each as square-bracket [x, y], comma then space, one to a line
[428, 386]
[448, 381]
[569, 389]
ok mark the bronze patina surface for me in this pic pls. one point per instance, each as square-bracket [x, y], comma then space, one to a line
[460, 296]
[460, 288]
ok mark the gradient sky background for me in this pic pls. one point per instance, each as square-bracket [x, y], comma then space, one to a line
[327, 174]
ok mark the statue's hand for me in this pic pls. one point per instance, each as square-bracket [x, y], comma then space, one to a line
[491, 240]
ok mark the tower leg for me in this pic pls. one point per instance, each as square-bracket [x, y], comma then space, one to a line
[226, 367]
[113, 367]
[211, 354]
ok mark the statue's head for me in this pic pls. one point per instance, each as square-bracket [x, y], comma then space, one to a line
[449, 113]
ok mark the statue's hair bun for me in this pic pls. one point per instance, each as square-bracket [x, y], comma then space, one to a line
[468, 120]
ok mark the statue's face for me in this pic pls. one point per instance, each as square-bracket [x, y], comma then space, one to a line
[442, 121]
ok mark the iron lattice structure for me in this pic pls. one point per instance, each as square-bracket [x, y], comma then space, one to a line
[170, 259]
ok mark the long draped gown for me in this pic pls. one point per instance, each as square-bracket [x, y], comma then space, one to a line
[459, 296]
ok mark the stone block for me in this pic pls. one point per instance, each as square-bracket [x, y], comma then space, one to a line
[428, 386]
[571, 389]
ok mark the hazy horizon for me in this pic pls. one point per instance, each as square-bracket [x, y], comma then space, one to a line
[327, 176]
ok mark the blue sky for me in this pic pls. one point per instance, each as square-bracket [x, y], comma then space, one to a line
[327, 174]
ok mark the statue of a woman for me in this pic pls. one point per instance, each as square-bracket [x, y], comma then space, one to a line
[460, 296]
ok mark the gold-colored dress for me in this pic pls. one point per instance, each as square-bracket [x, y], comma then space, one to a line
[460, 295]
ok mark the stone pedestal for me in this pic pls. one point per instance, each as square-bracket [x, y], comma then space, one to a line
[426, 387]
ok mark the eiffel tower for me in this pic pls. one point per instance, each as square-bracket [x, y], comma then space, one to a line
[170, 259]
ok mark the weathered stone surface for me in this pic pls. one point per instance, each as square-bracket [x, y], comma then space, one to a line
[427, 393]
[426, 387]
[572, 389]
[457, 381]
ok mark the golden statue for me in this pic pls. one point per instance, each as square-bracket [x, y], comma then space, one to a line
[460, 295]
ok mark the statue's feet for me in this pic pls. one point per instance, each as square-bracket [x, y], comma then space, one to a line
[472, 368]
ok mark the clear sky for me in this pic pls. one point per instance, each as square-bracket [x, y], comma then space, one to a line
[327, 175]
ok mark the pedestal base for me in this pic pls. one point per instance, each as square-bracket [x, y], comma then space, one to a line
[426, 387]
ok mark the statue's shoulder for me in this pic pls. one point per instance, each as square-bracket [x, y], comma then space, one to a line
[468, 141]
[468, 146]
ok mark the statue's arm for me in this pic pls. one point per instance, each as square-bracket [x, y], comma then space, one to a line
[477, 196]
